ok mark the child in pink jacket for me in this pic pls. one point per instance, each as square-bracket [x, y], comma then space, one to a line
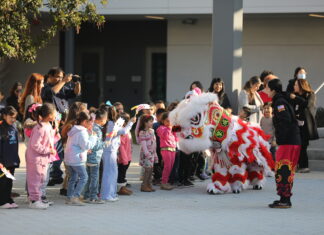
[168, 144]
[40, 152]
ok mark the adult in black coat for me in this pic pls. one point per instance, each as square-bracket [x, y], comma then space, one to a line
[288, 139]
[217, 86]
[303, 100]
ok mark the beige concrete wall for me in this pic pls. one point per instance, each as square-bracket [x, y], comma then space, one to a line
[188, 56]
[279, 43]
[283, 43]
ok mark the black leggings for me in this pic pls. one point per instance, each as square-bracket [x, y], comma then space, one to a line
[184, 167]
[122, 169]
[6, 188]
[303, 157]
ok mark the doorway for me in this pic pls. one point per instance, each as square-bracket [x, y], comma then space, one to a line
[89, 65]
[155, 85]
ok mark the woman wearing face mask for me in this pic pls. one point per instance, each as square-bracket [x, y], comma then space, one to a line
[300, 73]
[304, 100]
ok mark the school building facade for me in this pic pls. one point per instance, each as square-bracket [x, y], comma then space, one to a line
[154, 49]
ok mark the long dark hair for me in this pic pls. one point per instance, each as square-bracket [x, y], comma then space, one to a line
[112, 116]
[44, 111]
[75, 109]
[164, 117]
[248, 85]
[144, 119]
[33, 114]
[297, 71]
[9, 110]
[211, 88]
[83, 116]
[14, 88]
[198, 84]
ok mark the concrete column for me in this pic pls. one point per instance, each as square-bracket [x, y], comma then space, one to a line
[227, 30]
[69, 47]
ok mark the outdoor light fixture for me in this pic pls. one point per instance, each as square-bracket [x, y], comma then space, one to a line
[155, 17]
[191, 21]
[316, 15]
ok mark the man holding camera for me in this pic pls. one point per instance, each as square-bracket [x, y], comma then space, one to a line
[59, 89]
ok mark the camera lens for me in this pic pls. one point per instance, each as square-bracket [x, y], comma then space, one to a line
[76, 78]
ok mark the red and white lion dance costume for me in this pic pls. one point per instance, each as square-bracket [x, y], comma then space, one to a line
[240, 149]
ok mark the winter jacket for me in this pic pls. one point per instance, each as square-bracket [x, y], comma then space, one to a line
[125, 149]
[96, 152]
[41, 141]
[256, 109]
[77, 146]
[304, 106]
[167, 137]
[284, 121]
[9, 145]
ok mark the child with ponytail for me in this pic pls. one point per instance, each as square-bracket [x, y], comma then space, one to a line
[40, 152]
[81, 139]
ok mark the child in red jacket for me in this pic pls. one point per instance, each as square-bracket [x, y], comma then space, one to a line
[124, 159]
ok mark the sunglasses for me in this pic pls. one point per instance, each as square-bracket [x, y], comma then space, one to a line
[18, 91]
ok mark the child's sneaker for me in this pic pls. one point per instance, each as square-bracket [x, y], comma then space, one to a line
[166, 187]
[187, 183]
[6, 206]
[45, 201]
[68, 201]
[95, 201]
[14, 205]
[76, 202]
[115, 199]
[38, 205]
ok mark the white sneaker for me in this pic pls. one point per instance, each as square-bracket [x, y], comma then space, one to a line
[38, 205]
[6, 206]
[50, 203]
[14, 205]
[76, 202]
[115, 199]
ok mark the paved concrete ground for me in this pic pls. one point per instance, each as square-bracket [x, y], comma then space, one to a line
[181, 211]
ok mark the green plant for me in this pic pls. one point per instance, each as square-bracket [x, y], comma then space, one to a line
[20, 19]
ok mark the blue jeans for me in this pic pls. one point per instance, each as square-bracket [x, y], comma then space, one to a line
[91, 188]
[78, 179]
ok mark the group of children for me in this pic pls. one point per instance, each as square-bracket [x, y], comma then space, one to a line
[97, 151]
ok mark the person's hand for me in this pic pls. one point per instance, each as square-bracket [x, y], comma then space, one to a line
[273, 143]
[292, 96]
[53, 151]
[133, 119]
[77, 88]
[67, 78]
[1, 166]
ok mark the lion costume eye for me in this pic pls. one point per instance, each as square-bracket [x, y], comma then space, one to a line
[196, 120]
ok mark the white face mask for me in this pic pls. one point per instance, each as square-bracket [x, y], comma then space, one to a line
[301, 76]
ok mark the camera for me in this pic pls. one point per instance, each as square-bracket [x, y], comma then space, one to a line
[76, 78]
